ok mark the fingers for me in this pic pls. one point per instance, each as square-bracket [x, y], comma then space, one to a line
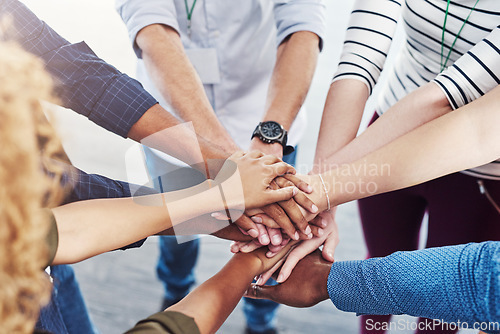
[247, 224]
[301, 199]
[299, 183]
[329, 247]
[282, 168]
[251, 246]
[275, 236]
[264, 277]
[280, 217]
[281, 194]
[318, 221]
[294, 257]
[264, 219]
[263, 236]
[317, 231]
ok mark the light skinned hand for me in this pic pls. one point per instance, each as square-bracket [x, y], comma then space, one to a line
[329, 240]
[245, 180]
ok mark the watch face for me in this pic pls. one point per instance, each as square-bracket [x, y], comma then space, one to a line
[271, 130]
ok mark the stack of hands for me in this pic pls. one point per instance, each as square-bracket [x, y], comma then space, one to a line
[279, 206]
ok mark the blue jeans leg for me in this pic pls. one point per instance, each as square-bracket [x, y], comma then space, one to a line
[260, 313]
[67, 304]
[175, 266]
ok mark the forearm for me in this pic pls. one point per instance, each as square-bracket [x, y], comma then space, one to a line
[417, 108]
[88, 228]
[178, 82]
[463, 139]
[456, 283]
[212, 302]
[341, 118]
[291, 78]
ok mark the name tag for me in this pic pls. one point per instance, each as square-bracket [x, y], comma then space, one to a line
[206, 64]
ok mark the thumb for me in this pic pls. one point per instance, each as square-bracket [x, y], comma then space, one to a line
[282, 194]
[255, 291]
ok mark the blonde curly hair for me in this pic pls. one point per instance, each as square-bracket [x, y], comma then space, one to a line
[28, 144]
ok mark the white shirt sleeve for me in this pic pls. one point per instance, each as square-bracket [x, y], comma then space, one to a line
[368, 38]
[300, 15]
[138, 14]
[474, 74]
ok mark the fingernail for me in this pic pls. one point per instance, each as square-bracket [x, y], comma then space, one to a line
[276, 240]
[320, 232]
[309, 236]
[308, 230]
[257, 219]
[253, 233]
[269, 254]
[280, 278]
[296, 236]
[264, 240]
[215, 215]
[314, 208]
[309, 189]
[323, 223]
[295, 191]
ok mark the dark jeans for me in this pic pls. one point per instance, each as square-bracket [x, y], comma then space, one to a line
[66, 313]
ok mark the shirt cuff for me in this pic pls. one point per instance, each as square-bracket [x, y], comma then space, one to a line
[344, 286]
[121, 105]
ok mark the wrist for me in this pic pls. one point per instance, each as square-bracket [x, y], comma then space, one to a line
[266, 148]
[318, 196]
[322, 286]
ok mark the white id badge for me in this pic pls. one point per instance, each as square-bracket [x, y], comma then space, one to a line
[206, 64]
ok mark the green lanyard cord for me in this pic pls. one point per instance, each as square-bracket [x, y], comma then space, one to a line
[443, 64]
[189, 12]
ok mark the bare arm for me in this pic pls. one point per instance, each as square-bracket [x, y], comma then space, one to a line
[88, 228]
[213, 301]
[178, 82]
[341, 118]
[293, 72]
[465, 138]
[417, 108]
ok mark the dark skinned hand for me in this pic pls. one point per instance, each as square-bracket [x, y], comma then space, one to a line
[305, 287]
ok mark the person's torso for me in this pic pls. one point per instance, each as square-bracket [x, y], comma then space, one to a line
[243, 36]
[422, 55]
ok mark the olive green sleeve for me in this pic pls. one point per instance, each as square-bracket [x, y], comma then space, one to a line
[166, 322]
[52, 236]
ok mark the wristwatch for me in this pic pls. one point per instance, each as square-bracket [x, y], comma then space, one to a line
[272, 132]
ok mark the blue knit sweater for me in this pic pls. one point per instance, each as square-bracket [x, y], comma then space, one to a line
[455, 284]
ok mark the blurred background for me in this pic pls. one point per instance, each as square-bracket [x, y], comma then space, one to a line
[120, 288]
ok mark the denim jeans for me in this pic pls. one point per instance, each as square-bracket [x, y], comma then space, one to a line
[66, 313]
[175, 267]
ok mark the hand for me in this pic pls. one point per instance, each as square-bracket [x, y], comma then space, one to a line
[329, 240]
[298, 210]
[280, 215]
[245, 180]
[306, 286]
[274, 149]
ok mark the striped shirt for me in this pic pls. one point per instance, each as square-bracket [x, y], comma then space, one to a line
[473, 67]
